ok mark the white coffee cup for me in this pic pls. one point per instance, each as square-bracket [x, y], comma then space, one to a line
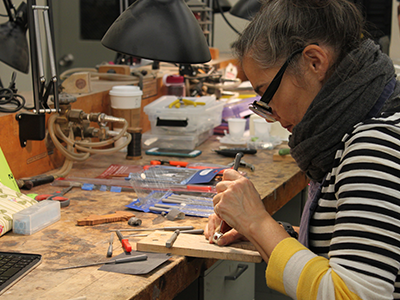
[236, 128]
[126, 103]
[262, 129]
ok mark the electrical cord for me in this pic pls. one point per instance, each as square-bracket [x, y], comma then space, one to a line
[226, 20]
[9, 96]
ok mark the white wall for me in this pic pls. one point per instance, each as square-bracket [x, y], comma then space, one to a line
[223, 37]
[394, 51]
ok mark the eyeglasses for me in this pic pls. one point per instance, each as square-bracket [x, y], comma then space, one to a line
[261, 106]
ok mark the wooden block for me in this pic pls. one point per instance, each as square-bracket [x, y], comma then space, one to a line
[214, 53]
[77, 83]
[197, 246]
[287, 157]
[116, 69]
[100, 219]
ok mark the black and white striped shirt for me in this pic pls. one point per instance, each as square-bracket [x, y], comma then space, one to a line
[356, 224]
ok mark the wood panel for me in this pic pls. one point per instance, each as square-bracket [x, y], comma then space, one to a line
[197, 246]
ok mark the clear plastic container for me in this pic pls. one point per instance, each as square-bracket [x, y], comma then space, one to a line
[36, 217]
[175, 85]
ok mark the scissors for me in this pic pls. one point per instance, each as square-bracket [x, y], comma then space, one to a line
[56, 196]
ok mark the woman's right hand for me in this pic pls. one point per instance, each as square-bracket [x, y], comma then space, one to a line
[230, 234]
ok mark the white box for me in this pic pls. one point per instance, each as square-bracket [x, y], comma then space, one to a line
[187, 119]
[36, 217]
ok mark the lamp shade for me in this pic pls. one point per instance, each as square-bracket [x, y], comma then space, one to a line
[224, 4]
[14, 49]
[245, 9]
[161, 30]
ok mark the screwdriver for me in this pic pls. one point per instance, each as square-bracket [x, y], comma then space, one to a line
[125, 242]
[218, 234]
[160, 228]
[110, 247]
[115, 261]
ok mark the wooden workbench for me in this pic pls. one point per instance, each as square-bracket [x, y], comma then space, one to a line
[64, 243]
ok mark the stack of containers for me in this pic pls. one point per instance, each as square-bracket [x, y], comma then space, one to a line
[175, 124]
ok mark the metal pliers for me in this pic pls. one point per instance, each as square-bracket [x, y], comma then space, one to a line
[243, 164]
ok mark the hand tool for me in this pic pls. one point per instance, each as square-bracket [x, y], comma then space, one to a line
[134, 221]
[29, 183]
[244, 164]
[172, 239]
[193, 231]
[218, 234]
[160, 228]
[170, 162]
[231, 152]
[57, 196]
[110, 247]
[115, 261]
[125, 242]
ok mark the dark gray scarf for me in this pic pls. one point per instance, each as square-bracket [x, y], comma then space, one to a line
[345, 100]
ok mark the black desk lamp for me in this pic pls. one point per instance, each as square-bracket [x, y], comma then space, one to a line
[160, 30]
[245, 9]
[14, 49]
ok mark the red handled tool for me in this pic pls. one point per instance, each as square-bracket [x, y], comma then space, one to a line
[125, 242]
[57, 196]
[170, 162]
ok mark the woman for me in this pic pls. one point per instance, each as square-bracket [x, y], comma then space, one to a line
[336, 92]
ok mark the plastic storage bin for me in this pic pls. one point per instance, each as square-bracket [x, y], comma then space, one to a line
[36, 217]
[187, 119]
[170, 141]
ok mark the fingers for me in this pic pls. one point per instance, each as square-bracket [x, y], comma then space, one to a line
[230, 237]
[230, 175]
[213, 222]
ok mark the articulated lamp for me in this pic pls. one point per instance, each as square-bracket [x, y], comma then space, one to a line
[245, 9]
[14, 49]
[160, 30]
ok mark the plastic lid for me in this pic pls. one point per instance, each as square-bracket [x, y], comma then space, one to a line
[174, 79]
[126, 90]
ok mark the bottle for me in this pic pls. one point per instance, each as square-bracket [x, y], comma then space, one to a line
[175, 85]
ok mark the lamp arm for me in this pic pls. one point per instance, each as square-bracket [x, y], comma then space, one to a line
[8, 5]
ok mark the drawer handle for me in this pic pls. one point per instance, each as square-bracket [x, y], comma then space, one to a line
[172, 123]
[239, 271]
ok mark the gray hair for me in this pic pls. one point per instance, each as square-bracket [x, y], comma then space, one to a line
[284, 26]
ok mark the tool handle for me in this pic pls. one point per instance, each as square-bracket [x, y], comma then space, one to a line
[130, 258]
[238, 157]
[193, 231]
[57, 198]
[125, 244]
[42, 197]
[178, 227]
[172, 239]
[178, 163]
[110, 250]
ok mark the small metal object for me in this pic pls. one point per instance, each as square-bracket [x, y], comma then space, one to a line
[134, 221]
[115, 261]
[216, 237]
[218, 234]
[244, 164]
[172, 239]
[159, 228]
